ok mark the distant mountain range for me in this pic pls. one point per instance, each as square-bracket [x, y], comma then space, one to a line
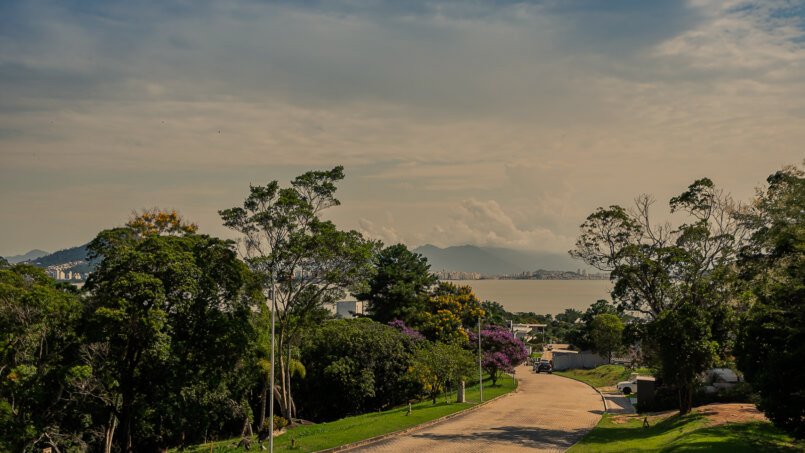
[494, 260]
[463, 258]
[77, 255]
[32, 255]
[70, 255]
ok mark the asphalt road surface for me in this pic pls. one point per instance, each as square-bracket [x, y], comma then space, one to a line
[547, 413]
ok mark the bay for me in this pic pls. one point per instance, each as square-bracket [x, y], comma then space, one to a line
[540, 296]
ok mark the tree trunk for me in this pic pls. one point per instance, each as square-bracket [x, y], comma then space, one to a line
[290, 399]
[263, 401]
[109, 433]
[126, 423]
[283, 402]
[685, 398]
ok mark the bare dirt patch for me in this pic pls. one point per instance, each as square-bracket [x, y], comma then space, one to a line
[721, 413]
[653, 417]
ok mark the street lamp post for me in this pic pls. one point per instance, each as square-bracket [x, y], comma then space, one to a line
[271, 378]
[480, 370]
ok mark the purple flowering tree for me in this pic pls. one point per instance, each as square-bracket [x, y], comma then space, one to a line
[399, 324]
[501, 351]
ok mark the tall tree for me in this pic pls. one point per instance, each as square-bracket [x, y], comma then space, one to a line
[304, 261]
[168, 312]
[658, 268]
[399, 287]
[771, 342]
[38, 341]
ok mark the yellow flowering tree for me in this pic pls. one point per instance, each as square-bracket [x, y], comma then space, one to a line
[451, 310]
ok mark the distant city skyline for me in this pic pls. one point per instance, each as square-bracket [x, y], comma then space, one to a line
[494, 124]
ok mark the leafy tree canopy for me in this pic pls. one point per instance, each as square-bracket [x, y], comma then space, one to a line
[771, 343]
[171, 312]
[38, 320]
[399, 287]
[606, 334]
[659, 270]
[450, 310]
[355, 366]
[303, 260]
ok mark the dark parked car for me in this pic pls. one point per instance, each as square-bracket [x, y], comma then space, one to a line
[543, 367]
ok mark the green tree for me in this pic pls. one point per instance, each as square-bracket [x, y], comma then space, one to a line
[302, 260]
[771, 342]
[355, 366]
[658, 268]
[169, 314]
[683, 343]
[606, 331]
[570, 316]
[399, 287]
[496, 314]
[437, 365]
[38, 341]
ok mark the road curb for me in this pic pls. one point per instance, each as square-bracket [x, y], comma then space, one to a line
[382, 437]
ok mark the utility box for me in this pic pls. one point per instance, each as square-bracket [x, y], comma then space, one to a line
[646, 385]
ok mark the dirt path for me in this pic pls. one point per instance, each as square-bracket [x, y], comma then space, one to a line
[548, 413]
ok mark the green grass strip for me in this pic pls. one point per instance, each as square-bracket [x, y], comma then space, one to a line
[678, 434]
[604, 375]
[353, 429]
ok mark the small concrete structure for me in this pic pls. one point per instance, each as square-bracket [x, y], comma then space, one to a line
[646, 385]
[460, 398]
[348, 309]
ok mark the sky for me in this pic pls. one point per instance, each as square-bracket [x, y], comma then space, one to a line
[465, 122]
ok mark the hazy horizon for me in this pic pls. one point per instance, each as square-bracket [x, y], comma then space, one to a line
[493, 124]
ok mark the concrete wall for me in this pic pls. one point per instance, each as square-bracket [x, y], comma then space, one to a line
[567, 360]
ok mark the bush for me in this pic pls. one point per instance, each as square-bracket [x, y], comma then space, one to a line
[355, 366]
[739, 393]
[279, 423]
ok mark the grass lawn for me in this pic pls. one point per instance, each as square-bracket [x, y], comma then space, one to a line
[352, 429]
[688, 433]
[603, 376]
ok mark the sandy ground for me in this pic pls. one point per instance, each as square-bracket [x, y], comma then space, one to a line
[717, 414]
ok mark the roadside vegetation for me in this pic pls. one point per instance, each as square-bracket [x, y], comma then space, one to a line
[352, 429]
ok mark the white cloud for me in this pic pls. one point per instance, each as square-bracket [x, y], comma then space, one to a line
[386, 233]
[485, 223]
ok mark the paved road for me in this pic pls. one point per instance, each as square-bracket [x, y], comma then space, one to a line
[617, 403]
[548, 413]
